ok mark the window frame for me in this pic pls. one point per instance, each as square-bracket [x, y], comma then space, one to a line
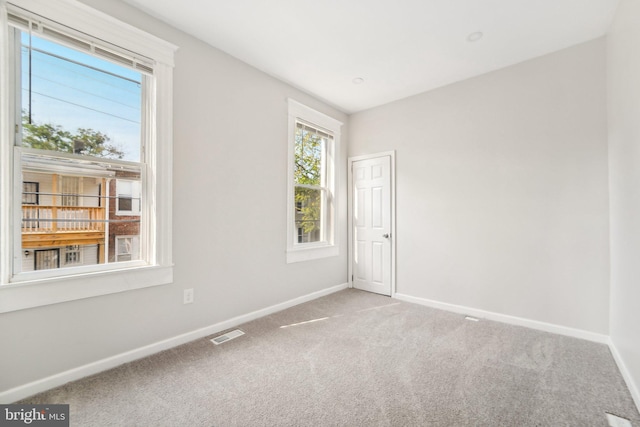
[29, 290]
[328, 246]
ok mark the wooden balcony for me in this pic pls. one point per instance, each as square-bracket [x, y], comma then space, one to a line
[45, 226]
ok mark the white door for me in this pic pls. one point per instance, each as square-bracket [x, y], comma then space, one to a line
[371, 186]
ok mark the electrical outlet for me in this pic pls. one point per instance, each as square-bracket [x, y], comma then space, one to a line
[188, 296]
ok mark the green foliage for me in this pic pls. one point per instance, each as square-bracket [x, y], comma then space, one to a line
[308, 163]
[87, 142]
[308, 205]
[308, 157]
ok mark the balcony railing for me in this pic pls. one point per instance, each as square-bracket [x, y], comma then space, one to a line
[53, 219]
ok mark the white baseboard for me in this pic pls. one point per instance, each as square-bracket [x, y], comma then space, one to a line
[504, 318]
[631, 385]
[56, 380]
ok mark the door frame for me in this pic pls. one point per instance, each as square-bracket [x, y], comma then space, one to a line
[351, 161]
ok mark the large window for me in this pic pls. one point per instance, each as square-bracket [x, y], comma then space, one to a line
[313, 147]
[89, 100]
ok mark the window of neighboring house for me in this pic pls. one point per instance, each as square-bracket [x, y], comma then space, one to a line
[30, 193]
[128, 197]
[46, 259]
[126, 247]
[90, 98]
[314, 140]
[305, 237]
[72, 255]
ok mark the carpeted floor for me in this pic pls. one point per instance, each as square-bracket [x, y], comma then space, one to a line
[359, 359]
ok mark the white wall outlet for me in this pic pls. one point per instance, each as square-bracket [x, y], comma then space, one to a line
[188, 296]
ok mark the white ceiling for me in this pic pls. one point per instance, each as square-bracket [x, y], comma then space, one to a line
[400, 48]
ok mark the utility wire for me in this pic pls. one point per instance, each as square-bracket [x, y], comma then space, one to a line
[44, 52]
[85, 107]
[74, 70]
[87, 92]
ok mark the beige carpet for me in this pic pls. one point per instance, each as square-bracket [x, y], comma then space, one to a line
[359, 359]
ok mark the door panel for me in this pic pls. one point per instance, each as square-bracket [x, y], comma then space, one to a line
[372, 225]
[377, 209]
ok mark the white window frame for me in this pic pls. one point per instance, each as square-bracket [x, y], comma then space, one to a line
[328, 247]
[28, 290]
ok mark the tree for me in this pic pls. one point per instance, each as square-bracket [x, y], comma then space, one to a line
[87, 142]
[307, 175]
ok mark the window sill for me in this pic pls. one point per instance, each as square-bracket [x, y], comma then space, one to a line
[37, 293]
[300, 254]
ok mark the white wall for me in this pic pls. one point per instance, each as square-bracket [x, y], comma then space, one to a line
[229, 230]
[623, 77]
[502, 198]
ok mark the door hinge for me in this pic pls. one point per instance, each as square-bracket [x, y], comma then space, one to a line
[352, 277]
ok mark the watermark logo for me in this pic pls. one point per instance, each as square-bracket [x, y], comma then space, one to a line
[34, 415]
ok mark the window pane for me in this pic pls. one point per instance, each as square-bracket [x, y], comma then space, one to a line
[71, 211]
[124, 203]
[76, 103]
[72, 255]
[308, 214]
[124, 246]
[129, 195]
[127, 248]
[309, 146]
[30, 193]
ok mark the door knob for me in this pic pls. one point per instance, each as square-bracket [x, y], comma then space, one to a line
[385, 235]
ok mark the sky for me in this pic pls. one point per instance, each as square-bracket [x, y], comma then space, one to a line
[76, 90]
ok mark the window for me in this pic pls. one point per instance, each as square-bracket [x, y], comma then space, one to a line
[30, 192]
[90, 100]
[126, 248]
[124, 203]
[128, 197]
[72, 255]
[314, 140]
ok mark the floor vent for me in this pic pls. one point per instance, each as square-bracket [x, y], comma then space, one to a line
[473, 319]
[616, 421]
[227, 337]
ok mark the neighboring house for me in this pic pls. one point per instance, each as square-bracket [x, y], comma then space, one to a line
[62, 220]
[124, 215]
[65, 222]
